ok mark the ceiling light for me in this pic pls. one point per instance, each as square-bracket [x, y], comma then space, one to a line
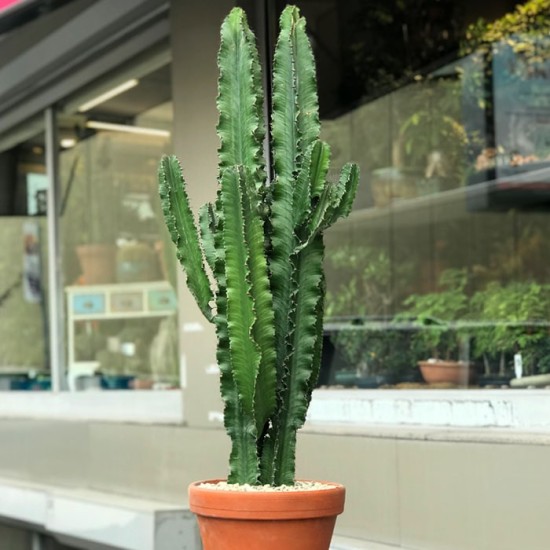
[96, 125]
[67, 143]
[117, 90]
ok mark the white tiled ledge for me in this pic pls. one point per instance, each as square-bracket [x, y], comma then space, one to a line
[356, 409]
[331, 410]
[494, 436]
[95, 520]
[145, 407]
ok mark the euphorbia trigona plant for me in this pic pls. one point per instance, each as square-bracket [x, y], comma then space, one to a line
[262, 242]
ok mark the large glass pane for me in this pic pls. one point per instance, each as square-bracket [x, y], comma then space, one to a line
[117, 259]
[439, 278]
[24, 351]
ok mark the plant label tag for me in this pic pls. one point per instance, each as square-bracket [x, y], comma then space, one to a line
[518, 365]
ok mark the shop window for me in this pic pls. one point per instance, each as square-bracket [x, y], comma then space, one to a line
[118, 267]
[446, 108]
[24, 342]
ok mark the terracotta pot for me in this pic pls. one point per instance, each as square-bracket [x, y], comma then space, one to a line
[450, 372]
[138, 384]
[239, 520]
[97, 263]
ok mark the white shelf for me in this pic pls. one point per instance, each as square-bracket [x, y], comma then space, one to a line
[88, 303]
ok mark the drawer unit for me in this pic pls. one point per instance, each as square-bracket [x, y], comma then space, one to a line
[162, 300]
[125, 302]
[83, 304]
[95, 304]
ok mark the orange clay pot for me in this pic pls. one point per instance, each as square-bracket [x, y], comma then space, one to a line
[450, 372]
[239, 520]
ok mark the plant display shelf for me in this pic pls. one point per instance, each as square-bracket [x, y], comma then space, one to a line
[113, 302]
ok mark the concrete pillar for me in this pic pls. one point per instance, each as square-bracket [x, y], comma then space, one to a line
[195, 29]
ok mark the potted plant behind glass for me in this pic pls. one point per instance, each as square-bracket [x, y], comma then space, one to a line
[513, 328]
[439, 336]
[91, 206]
[263, 244]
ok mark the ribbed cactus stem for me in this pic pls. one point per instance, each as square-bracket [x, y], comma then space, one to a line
[263, 246]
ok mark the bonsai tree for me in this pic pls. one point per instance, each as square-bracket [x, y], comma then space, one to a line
[436, 314]
[377, 352]
[261, 245]
[514, 320]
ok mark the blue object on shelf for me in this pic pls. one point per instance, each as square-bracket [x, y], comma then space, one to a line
[162, 300]
[117, 382]
[88, 303]
[19, 383]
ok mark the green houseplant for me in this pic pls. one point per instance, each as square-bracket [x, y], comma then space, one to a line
[90, 209]
[373, 351]
[439, 335]
[263, 245]
[513, 320]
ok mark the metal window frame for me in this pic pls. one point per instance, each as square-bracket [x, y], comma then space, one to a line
[55, 293]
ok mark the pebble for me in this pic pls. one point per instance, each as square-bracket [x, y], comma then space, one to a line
[298, 486]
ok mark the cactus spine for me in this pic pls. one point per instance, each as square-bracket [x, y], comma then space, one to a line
[262, 243]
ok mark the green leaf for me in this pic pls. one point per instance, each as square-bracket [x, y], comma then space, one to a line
[300, 363]
[243, 460]
[267, 458]
[318, 349]
[207, 224]
[294, 128]
[311, 180]
[245, 355]
[241, 126]
[306, 80]
[283, 243]
[284, 131]
[263, 329]
[295, 116]
[301, 198]
[281, 266]
[182, 229]
[348, 183]
[241, 428]
[320, 163]
[320, 212]
[336, 200]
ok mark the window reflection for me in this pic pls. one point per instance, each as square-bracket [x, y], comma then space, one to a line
[446, 108]
[118, 262]
[24, 351]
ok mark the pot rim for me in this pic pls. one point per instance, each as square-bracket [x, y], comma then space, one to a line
[267, 505]
[444, 363]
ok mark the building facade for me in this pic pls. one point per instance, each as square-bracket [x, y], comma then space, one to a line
[110, 404]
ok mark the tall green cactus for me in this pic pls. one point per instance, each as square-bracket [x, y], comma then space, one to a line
[262, 243]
